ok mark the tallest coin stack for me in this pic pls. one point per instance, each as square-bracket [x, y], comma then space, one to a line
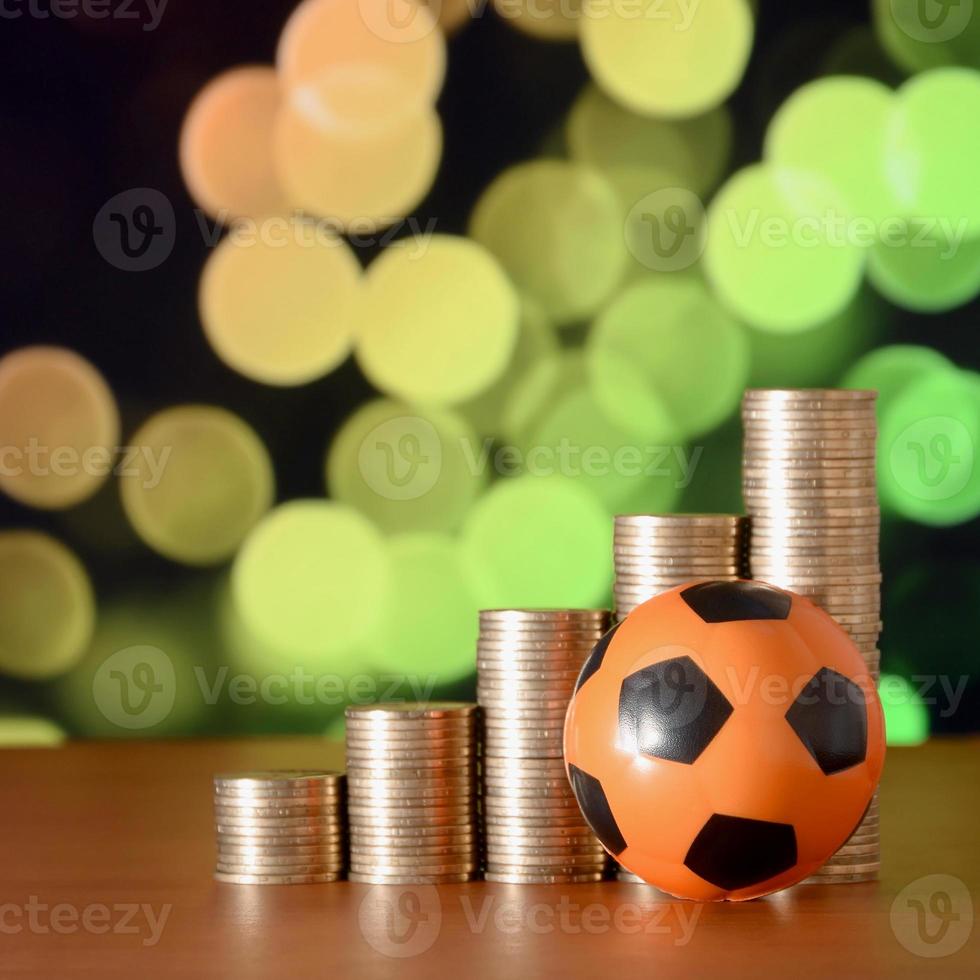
[808, 479]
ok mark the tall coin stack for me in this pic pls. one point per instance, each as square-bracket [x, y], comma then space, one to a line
[411, 777]
[279, 828]
[527, 665]
[808, 479]
[654, 553]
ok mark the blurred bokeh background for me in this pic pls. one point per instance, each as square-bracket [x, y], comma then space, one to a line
[326, 326]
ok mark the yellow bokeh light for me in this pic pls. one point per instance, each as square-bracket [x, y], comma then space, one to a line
[26, 731]
[47, 606]
[343, 151]
[59, 427]
[226, 144]
[667, 59]
[436, 325]
[279, 307]
[557, 229]
[399, 34]
[199, 480]
[311, 578]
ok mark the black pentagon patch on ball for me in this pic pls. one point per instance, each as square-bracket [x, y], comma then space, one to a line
[830, 717]
[595, 808]
[670, 710]
[735, 852]
[732, 602]
[595, 658]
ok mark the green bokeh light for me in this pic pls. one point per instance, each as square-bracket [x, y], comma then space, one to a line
[535, 342]
[47, 606]
[25, 731]
[557, 229]
[541, 542]
[927, 454]
[199, 480]
[664, 223]
[406, 469]
[428, 624]
[436, 325]
[311, 577]
[920, 36]
[934, 152]
[906, 716]
[890, 370]
[140, 677]
[857, 112]
[666, 361]
[667, 59]
[815, 358]
[613, 464]
[532, 396]
[777, 255]
[926, 276]
[695, 152]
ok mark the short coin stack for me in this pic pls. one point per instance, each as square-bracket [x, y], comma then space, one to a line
[279, 828]
[411, 776]
[808, 479]
[654, 553]
[527, 665]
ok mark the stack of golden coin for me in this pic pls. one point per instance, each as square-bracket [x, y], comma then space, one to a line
[279, 828]
[654, 553]
[808, 479]
[411, 778]
[527, 665]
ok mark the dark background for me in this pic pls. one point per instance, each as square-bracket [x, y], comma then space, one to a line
[93, 108]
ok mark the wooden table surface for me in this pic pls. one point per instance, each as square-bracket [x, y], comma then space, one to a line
[106, 853]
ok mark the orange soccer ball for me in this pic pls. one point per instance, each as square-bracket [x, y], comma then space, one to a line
[724, 740]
